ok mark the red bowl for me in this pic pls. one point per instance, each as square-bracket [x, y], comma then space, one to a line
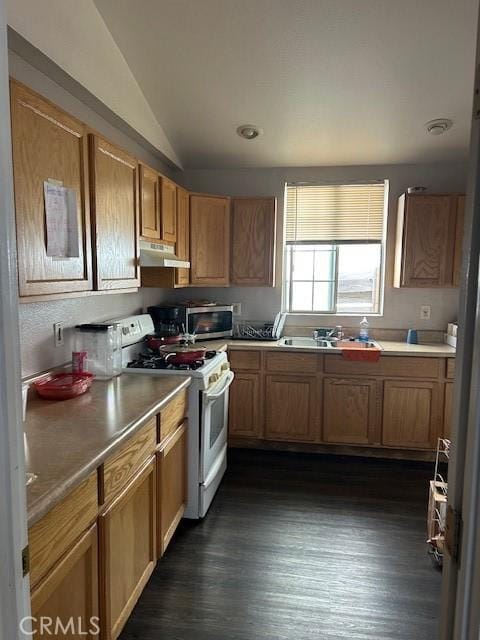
[63, 386]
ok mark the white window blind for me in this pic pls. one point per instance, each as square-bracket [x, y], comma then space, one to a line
[335, 213]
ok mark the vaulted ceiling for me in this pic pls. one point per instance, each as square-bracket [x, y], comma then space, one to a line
[331, 82]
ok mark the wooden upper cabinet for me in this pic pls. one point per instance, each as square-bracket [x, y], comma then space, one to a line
[168, 192]
[149, 203]
[458, 255]
[209, 240]
[429, 233]
[253, 242]
[350, 411]
[182, 276]
[114, 209]
[48, 144]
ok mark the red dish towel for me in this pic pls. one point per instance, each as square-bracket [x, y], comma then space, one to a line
[359, 353]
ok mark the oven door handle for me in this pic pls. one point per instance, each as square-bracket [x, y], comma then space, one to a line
[210, 397]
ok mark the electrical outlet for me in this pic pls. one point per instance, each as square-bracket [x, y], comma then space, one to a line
[237, 308]
[425, 312]
[58, 334]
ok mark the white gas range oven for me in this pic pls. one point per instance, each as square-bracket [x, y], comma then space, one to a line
[207, 409]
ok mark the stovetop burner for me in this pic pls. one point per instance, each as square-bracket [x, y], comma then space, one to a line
[151, 360]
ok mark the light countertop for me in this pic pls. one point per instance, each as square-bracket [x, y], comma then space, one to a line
[390, 348]
[67, 440]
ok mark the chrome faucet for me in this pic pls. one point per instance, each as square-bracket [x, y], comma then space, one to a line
[333, 335]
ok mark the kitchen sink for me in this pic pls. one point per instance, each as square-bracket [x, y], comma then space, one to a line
[309, 343]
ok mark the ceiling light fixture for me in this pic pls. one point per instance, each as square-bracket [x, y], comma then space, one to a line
[438, 126]
[249, 131]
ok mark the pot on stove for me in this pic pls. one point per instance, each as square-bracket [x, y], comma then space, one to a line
[182, 354]
[155, 340]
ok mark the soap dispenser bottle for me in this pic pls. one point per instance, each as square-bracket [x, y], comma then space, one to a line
[363, 335]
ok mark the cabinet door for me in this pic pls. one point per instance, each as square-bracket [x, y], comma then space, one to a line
[69, 593]
[244, 406]
[168, 191]
[149, 203]
[429, 241]
[253, 241]
[291, 408]
[411, 414]
[172, 485]
[127, 550]
[48, 144]
[350, 412]
[448, 409]
[182, 276]
[209, 240]
[115, 216]
[459, 233]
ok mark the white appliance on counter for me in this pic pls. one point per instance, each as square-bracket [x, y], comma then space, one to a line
[207, 410]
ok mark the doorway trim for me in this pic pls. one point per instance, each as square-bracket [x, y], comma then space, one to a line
[14, 587]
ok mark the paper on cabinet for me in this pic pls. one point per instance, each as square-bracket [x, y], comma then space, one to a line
[61, 220]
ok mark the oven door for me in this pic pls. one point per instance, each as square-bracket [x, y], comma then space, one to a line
[214, 423]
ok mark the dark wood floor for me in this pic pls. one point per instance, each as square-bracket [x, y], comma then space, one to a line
[297, 547]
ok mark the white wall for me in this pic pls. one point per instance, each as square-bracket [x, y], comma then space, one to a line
[36, 319]
[402, 306]
[75, 37]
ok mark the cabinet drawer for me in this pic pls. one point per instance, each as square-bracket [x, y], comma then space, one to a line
[119, 468]
[407, 366]
[172, 415]
[450, 370]
[245, 360]
[51, 536]
[291, 362]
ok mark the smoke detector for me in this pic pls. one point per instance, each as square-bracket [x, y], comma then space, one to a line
[249, 131]
[438, 126]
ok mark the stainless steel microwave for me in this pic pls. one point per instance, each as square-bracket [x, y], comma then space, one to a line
[206, 322]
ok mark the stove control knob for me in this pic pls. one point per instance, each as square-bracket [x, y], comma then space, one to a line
[225, 366]
[213, 378]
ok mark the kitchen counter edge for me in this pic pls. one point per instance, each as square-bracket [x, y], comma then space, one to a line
[389, 348]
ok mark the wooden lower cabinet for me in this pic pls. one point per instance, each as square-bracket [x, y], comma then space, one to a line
[291, 404]
[448, 410]
[245, 409]
[127, 549]
[171, 486]
[350, 411]
[65, 603]
[411, 414]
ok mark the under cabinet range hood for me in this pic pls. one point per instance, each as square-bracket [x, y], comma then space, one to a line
[155, 254]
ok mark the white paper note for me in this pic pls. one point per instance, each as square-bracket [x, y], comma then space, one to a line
[62, 221]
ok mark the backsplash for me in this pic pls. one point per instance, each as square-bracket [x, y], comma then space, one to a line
[36, 321]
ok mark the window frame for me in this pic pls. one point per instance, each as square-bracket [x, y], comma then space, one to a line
[287, 284]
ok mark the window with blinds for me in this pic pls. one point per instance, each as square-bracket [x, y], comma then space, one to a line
[334, 247]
